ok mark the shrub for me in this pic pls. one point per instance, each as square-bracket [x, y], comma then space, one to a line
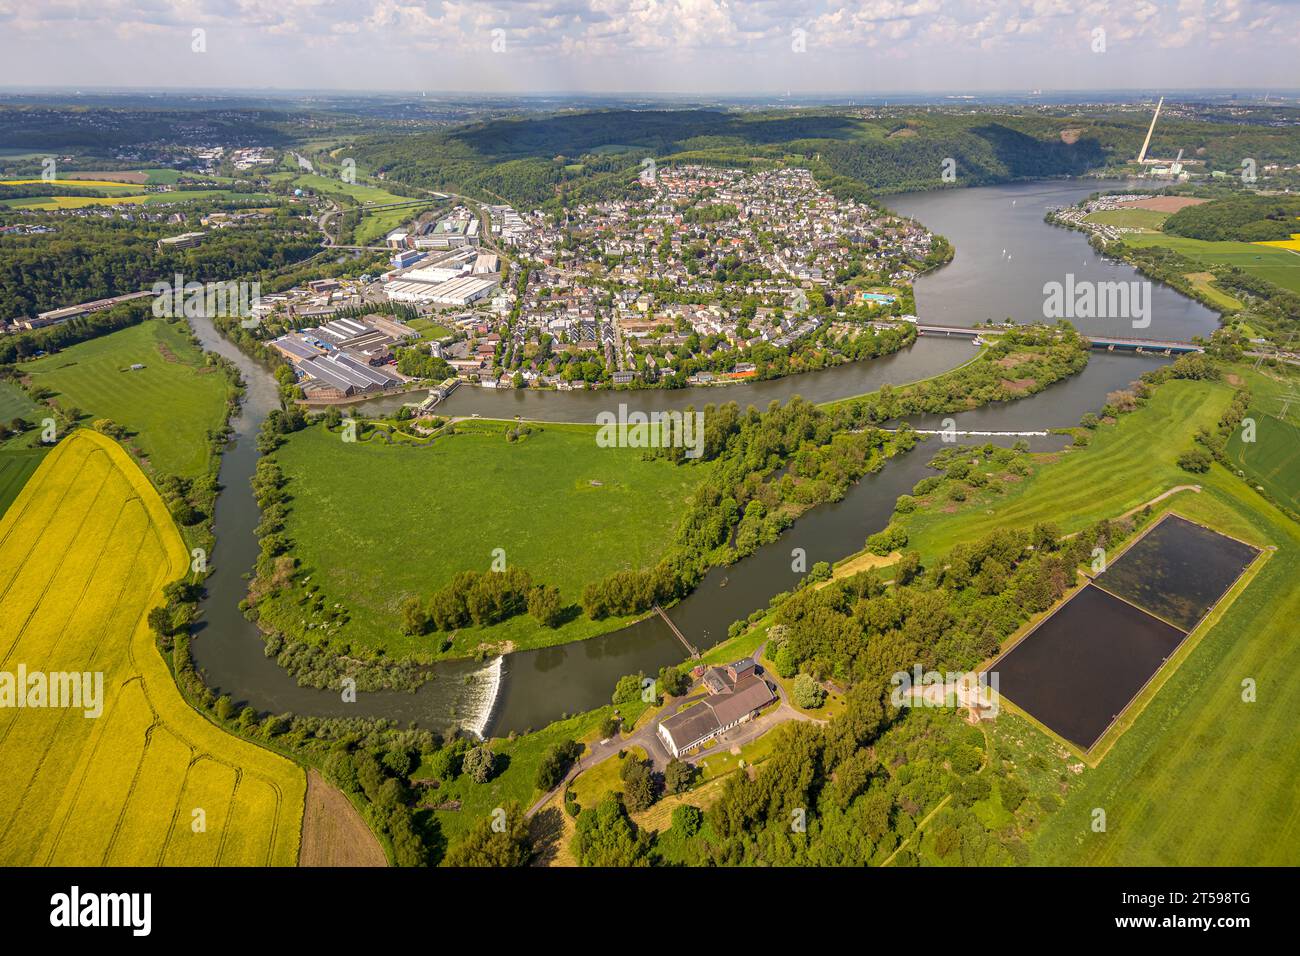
[808, 693]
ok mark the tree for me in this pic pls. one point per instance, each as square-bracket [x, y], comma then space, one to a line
[638, 784]
[545, 605]
[674, 681]
[678, 776]
[556, 763]
[500, 840]
[342, 772]
[687, 820]
[628, 688]
[1196, 460]
[415, 617]
[479, 763]
[606, 836]
[808, 693]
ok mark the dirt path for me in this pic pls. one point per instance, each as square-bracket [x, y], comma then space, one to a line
[333, 833]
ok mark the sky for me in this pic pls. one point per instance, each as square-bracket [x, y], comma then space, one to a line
[657, 46]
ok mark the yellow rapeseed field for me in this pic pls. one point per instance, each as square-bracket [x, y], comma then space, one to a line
[85, 551]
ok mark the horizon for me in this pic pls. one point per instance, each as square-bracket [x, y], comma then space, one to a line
[677, 48]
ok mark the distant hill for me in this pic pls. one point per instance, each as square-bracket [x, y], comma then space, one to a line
[576, 156]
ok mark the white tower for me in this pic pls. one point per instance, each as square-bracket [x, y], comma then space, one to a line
[1142, 156]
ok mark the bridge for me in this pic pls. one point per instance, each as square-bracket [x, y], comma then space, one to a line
[690, 648]
[1111, 343]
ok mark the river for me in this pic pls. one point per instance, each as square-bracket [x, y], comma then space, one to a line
[528, 689]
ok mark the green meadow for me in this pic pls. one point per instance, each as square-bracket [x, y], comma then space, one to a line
[1127, 463]
[1276, 265]
[1131, 218]
[1199, 776]
[1205, 776]
[169, 407]
[373, 524]
[16, 466]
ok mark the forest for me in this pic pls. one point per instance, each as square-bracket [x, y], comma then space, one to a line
[83, 259]
[582, 157]
[1246, 218]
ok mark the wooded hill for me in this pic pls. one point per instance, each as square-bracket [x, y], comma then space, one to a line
[574, 157]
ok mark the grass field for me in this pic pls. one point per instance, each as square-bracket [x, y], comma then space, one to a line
[373, 524]
[1273, 459]
[1203, 777]
[84, 554]
[15, 403]
[429, 330]
[1131, 218]
[1279, 266]
[337, 187]
[170, 405]
[1198, 776]
[16, 466]
[1127, 464]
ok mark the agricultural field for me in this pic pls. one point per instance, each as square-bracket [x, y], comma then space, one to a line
[1147, 219]
[1195, 773]
[1204, 775]
[146, 780]
[373, 524]
[1273, 459]
[1276, 265]
[16, 466]
[15, 403]
[169, 406]
[1127, 464]
[71, 202]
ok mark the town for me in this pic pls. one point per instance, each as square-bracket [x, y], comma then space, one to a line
[700, 276]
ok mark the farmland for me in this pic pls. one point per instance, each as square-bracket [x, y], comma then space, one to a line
[1203, 775]
[446, 508]
[1195, 774]
[149, 781]
[169, 406]
[1276, 265]
[1128, 463]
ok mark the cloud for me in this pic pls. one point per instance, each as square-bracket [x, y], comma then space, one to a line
[638, 44]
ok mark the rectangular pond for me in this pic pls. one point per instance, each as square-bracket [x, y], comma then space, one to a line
[1079, 669]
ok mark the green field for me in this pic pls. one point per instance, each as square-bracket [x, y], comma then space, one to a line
[1199, 776]
[1131, 218]
[170, 405]
[16, 466]
[337, 187]
[373, 524]
[1279, 266]
[15, 403]
[429, 330]
[1273, 459]
[1203, 777]
[1127, 464]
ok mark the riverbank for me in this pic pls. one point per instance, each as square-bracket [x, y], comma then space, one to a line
[532, 688]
